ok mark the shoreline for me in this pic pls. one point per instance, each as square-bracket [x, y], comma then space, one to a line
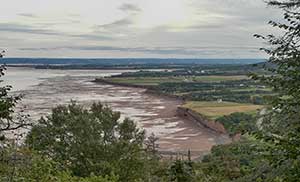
[156, 113]
[182, 112]
[91, 67]
[199, 140]
[149, 89]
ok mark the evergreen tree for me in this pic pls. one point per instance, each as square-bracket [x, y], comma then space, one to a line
[281, 124]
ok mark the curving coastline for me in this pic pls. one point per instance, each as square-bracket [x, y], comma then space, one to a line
[181, 111]
[154, 112]
[149, 89]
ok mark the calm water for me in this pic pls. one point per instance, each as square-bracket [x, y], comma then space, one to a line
[24, 78]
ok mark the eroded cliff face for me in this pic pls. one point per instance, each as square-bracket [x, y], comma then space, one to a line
[210, 124]
[192, 131]
[202, 120]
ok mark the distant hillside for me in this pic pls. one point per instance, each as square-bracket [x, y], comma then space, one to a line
[131, 61]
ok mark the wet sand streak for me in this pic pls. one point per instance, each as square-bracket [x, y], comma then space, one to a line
[153, 113]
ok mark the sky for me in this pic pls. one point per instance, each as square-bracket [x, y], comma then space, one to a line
[134, 28]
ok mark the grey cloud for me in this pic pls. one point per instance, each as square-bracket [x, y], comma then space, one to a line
[227, 23]
[196, 27]
[238, 11]
[18, 28]
[112, 48]
[119, 23]
[93, 36]
[154, 50]
[28, 15]
[129, 8]
[237, 17]
[62, 22]
[205, 26]
[74, 15]
[114, 29]
[75, 21]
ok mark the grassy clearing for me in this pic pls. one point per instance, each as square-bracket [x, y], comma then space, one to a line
[145, 80]
[213, 110]
[219, 78]
[158, 80]
[252, 89]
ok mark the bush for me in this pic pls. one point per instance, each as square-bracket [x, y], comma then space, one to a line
[238, 123]
[91, 141]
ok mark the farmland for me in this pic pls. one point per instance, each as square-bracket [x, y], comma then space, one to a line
[154, 81]
[213, 91]
[214, 110]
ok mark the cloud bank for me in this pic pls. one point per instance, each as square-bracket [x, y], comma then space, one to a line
[135, 28]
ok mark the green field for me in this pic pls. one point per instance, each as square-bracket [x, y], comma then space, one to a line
[144, 80]
[158, 80]
[202, 92]
[213, 110]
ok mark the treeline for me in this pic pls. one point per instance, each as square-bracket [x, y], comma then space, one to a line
[197, 70]
[92, 145]
[239, 123]
[207, 86]
[86, 145]
[78, 144]
[229, 96]
[241, 91]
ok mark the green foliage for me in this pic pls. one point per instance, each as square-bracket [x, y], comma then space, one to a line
[7, 105]
[89, 145]
[27, 166]
[232, 162]
[201, 83]
[193, 70]
[18, 166]
[181, 171]
[91, 141]
[241, 91]
[280, 126]
[238, 123]
[75, 144]
[8, 102]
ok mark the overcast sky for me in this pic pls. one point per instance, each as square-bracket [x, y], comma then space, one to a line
[134, 28]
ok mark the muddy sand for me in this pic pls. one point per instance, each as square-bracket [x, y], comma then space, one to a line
[153, 113]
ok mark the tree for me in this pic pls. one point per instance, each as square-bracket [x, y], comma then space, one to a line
[181, 171]
[8, 122]
[234, 161]
[281, 124]
[238, 123]
[28, 166]
[2, 53]
[91, 141]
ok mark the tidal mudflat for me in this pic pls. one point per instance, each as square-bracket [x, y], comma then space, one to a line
[45, 89]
